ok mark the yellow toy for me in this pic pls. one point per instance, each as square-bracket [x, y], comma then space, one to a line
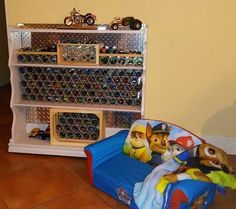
[139, 143]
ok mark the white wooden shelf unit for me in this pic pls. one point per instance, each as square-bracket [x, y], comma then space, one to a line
[116, 84]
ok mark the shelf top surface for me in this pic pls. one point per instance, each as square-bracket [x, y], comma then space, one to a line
[81, 106]
[58, 28]
[78, 66]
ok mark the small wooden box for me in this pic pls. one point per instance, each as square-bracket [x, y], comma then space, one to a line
[75, 127]
[78, 54]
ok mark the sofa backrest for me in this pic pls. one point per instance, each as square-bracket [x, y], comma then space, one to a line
[154, 141]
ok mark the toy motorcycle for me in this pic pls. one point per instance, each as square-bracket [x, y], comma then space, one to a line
[76, 18]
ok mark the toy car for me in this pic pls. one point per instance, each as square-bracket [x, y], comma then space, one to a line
[134, 24]
[34, 132]
[44, 134]
[37, 133]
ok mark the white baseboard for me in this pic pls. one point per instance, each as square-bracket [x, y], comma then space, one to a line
[228, 144]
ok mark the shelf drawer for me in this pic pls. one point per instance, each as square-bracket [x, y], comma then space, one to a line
[75, 127]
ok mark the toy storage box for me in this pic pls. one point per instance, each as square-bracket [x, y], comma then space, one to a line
[76, 127]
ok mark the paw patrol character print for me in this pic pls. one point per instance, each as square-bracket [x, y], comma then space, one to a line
[204, 166]
[213, 157]
[158, 137]
[200, 202]
[177, 146]
[123, 196]
[139, 144]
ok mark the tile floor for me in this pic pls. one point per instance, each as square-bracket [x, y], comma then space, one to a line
[49, 182]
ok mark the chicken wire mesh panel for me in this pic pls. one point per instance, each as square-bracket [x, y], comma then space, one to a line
[85, 86]
[117, 119]
[37, 115]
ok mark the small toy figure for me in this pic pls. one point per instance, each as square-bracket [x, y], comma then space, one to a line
[158, 137]
[134, 24]
[77, 18]
[139, 143]
[177, 146]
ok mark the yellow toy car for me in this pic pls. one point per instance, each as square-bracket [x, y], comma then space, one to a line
[34, 132]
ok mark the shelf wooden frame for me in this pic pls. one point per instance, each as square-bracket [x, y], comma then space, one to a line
[60, 60]
[56, 140]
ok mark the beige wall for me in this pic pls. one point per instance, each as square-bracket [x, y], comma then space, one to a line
[191, 57]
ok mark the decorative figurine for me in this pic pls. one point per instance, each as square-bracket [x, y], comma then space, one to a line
[77, 18]
[134, 24]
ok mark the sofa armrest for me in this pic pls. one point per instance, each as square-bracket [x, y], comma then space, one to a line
[103, 150]
[184, 193]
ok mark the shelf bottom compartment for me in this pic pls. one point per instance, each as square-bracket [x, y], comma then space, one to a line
[44, 147]
[63, 131]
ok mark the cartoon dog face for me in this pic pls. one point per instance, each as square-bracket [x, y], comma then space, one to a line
[139, 144]
[158, 137]
[171, 151]
[177, 146]
[137, 137]
[212, 156]
[158, 143]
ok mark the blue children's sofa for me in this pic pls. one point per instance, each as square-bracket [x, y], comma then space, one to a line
[115, 173]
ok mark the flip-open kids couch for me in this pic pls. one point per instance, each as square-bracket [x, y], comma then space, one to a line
[153, 165]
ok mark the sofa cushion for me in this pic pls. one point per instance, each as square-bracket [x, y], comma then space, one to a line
[120, 173]
[153, 141]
